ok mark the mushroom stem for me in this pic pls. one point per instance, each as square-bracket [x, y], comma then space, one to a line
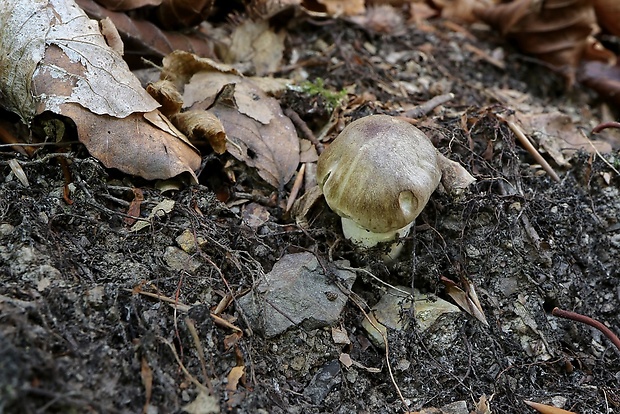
[365, 238]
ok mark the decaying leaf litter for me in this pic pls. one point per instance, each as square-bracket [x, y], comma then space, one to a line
[141, 319]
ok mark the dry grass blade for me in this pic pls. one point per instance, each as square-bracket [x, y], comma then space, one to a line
[547, 409]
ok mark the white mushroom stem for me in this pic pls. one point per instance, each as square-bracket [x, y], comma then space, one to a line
[366, 238]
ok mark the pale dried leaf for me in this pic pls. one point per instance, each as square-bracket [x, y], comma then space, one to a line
[83, 69]
[338, 8]
[558, 135]
[180, 66]
[234, 376]
[111, 35]
[203, 404]
[160, 210]
[18, 171]
[260, 134]
[73, 51]
[80, 77]
[464, 298]
[483, 406]
[254, 42]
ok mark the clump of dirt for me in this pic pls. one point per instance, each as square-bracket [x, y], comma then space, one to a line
[96, 317]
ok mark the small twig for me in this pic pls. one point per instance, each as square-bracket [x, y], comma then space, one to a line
[296, 187]
[605, 125]
[43, 159]
[588, 321]
[530, 148]
[428, 106]
[189, 376]
[299, 123]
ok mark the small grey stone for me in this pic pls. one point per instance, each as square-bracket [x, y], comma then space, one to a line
[296, 292]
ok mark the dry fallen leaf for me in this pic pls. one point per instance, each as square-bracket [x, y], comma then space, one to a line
[272, 147]
[234, 376]
[71, 71]
[337, 8]
[558, 135]
[259, 133]
[201, 126]
[555, 31]
[254, 43]
[466, 297]
[145, 37]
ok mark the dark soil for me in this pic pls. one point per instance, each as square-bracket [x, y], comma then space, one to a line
[78, 334]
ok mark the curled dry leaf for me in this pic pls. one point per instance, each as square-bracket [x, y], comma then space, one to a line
[168, 96]
[202, 126]
[147, 38]
[71, 71]
[259, 133]
[556, 31]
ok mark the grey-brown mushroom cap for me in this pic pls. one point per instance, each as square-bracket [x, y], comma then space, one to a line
[379, 172]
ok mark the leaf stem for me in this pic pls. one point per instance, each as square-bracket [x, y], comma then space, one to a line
[588, 321]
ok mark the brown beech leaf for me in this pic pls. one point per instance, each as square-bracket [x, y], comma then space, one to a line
[271, 147]
[176, 14]
[168, 96]
[256, 44]
[145, 37]
[71, 71]
[608, 15]
[555, 31]
[127, 4]
[259, 133]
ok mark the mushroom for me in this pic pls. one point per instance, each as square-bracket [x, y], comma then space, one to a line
[378, 175]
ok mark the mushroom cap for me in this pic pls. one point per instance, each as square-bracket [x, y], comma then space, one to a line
[379, 172]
